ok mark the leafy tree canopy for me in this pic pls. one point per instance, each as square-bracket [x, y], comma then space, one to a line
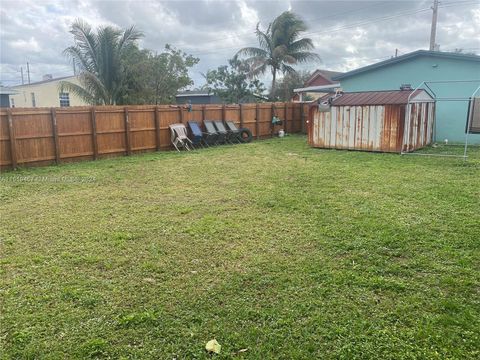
[232, 82]
[156, 78]
[291, 81]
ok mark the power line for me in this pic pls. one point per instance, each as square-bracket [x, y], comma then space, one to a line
[236, 36]
[373, 20]
[364, 22]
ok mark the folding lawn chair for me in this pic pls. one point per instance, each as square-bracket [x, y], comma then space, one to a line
[197, 135]
[212, 131]
[222, 131]
[179, 138]
[208, 138]
[234, 131]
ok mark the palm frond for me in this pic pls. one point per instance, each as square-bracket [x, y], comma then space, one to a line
[304, 44]
[305, 56]
[75, 54]
[84, 39]
[287, 69]
[252, 51]
[94, 86]
[264, 40]
[129, 36]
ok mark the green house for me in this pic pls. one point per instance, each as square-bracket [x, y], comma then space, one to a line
[419, 66]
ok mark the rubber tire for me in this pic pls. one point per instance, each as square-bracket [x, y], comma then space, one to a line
[245, 135]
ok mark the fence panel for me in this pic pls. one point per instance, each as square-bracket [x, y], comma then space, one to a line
[41, 136]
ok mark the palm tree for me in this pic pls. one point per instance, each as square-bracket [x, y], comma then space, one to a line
[280, 47]
[99, 57]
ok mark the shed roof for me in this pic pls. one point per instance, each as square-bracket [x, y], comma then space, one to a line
[414, 54]
[397, 97]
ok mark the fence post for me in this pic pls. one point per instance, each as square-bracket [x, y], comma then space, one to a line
[157, 128]
[94, 134]
[272, 110]
[180, 108]
[13, 143]
[285, 112]
[127, 132]
[224, 112]
[55, 135]
[203, 113]
[241, 115]
[257, 125]
[302, 118]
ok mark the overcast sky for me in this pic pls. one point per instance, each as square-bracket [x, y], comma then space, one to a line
[346, 34]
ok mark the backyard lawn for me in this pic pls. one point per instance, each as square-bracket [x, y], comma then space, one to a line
[274, 249]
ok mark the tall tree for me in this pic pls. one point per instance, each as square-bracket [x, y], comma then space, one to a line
[232, 83]
[280, 47]
[156, 78]
[99, 57]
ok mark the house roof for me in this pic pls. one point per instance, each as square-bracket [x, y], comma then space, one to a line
[321, 88]
[393, 97]
[194, 93]
[412, 55]
[45, 81]
[7, 91]
[327, 74]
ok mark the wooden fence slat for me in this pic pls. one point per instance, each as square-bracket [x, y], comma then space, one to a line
[241, 115]
[127, 133]
[203, 113]
[224, 112]
[13, 142]
[257, 119]
[157, 128]
[272, 114]
[180, 108]
[285, 113]
[55, 135]
[302, 118]
[94, 134]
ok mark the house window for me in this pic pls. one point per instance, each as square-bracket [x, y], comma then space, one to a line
[12, 102]
[64, 99]
[34, 104]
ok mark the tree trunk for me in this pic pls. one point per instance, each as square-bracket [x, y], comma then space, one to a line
[274, 77]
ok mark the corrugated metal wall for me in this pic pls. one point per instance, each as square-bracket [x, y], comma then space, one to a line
[372, 127]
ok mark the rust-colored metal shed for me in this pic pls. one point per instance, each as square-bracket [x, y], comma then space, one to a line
[386, 121]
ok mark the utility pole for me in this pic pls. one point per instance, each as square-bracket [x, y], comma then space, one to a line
[396, 52]
[28, 72]
[433, 31]
[21, 71]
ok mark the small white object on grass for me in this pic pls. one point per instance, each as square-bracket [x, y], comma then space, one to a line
[213, 346]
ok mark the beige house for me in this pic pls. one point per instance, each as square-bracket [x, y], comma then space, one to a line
[45, 93]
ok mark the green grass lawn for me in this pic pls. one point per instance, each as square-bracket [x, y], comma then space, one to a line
[274, 247]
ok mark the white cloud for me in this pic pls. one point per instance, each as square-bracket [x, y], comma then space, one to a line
[26, 45]
[347, 34]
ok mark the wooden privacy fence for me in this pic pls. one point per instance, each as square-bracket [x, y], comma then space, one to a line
[42, 136]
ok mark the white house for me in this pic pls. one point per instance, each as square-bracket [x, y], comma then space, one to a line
[45, 93]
